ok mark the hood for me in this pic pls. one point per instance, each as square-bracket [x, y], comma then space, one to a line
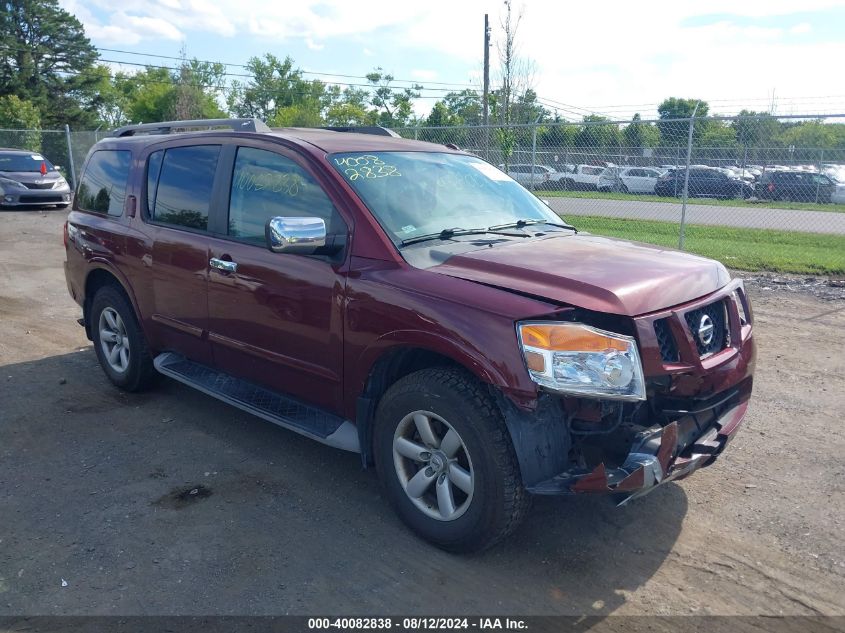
[31, 176]
[591, 272]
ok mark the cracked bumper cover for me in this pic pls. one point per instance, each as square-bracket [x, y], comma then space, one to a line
[645, 468]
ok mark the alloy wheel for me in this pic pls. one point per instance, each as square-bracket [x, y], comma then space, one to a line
[433, 465]
[114, 340]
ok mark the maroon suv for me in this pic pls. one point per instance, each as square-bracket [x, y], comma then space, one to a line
[410, 302]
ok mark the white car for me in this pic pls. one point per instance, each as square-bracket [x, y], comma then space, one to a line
[583, 177]
[528, 175]
[629, 179]
[838, 195]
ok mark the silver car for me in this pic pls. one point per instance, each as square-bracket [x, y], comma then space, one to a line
[28, 180]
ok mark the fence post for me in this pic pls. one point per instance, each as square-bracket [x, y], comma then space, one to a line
[686, 178]
[821, 171]
[533, 152]
[70, 157]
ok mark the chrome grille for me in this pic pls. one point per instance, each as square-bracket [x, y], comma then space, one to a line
[717, 314]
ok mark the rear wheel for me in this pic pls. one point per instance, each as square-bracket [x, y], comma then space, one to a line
[119, 342]
[447, 462]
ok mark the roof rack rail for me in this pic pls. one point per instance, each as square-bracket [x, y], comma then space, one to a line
[363, 129]
[165, 127]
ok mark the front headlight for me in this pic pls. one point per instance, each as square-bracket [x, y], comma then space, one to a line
[8, 183]
[581, 360]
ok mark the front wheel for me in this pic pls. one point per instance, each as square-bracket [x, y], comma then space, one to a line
[446, 460]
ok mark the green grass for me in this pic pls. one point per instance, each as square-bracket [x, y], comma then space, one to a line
[601, 195]
[743, 249]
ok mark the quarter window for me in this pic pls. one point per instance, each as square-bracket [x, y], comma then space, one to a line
[267, 185]
[103, 185]
[153, 171]
[182, 196]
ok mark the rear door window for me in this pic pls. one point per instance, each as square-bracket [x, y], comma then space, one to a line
[182, 195]
[102, 188]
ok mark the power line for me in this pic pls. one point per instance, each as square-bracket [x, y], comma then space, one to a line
[305, 72]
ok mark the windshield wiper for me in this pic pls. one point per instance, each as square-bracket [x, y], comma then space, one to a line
[445, 234]
[523, 223]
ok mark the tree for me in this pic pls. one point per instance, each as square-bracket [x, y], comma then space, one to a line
[640, 135]
[347, 107]
[516, 75]
[393, 104]
[16, 114]
[196, 85]
[275, 84]
[675, 133]
[45, 58]
[160, 94]
[464, 107]
[596, 134]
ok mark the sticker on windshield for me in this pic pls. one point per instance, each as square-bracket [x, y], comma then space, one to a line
[491, 172]
[366, 166]
[36, 157]
[410, 228]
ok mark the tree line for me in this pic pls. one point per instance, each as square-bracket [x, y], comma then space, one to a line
[51, 75]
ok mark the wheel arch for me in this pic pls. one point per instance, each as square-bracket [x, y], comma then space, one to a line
[383, 365]
[98, 277]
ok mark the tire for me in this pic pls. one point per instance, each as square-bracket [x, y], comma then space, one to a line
[568, 185]
[488, 500]
[112, 316]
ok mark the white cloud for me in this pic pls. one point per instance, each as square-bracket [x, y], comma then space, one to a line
[631, 55]
[423, 74]
[130, 29]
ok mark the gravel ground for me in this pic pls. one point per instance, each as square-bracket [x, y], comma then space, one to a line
[173, 503]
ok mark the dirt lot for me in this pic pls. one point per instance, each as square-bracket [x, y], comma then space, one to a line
[97, 515]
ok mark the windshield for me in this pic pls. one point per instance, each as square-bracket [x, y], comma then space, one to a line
[413, 194]
[23, 162]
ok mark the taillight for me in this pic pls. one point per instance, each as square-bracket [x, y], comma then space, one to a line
[771, 186]
[64, 234]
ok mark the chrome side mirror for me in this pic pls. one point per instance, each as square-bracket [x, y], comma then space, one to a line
[295, 235]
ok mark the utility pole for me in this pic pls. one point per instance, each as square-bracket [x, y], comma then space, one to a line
[485, 103]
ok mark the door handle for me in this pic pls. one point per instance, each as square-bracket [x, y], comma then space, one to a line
[222, 264]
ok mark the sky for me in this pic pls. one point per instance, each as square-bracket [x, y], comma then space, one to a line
[612, 58]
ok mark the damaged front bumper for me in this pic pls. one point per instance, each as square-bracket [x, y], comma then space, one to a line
[656, 457]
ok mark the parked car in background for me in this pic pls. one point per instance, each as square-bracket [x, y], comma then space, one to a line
[628, 179]
[28, 180]
[529, 175]
[707, 182]
[582, 178]
[795, 186]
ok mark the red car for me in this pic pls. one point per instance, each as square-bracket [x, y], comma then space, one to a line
[410, 302]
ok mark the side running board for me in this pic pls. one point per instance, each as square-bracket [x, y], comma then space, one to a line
[270, 405]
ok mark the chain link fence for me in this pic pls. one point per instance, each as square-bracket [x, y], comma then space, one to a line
[757, 193]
